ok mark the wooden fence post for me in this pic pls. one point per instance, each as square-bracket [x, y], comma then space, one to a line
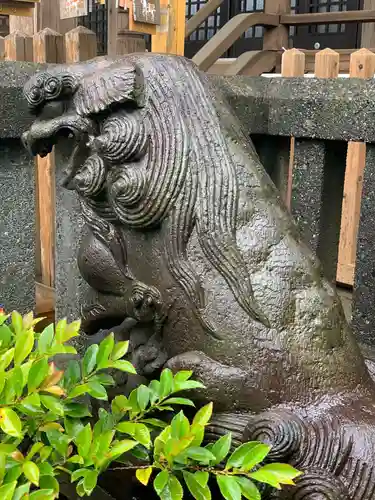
[18, 47]
[362, 65]
[292, 65]
[2, 48]
[80, 45]
[48, 48]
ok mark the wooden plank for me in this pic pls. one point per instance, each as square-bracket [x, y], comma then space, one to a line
[80, 44]
[6, 10]
[18, 47]
[44, 298]
[350, 16]
[292, 65]
[48, 48]
[229, 34]
[2, 48]
[362, 65]
[275, 38]
[368, 29]
[199, 17]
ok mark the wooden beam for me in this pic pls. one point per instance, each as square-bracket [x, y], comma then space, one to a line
[368, 29]
[229, 34]
[362, 65]
[44, 299]
[252, 63]
[350, 16]
[203, 13]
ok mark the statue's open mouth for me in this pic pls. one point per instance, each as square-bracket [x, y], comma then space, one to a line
[44, 134]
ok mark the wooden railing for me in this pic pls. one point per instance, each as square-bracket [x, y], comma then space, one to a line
[276, 19]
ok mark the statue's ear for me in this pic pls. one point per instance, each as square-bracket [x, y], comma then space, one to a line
[122, 82]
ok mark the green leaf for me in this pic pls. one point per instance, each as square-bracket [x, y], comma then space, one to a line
[143, 475]
[7, 490]
[21, 492]
[154, 387]
[89, 359]
[48, 482]
[65, 332]
[229, 487]
[73, 426]
[154, 422]
[53, 404]
[5, 335]
[90, 481]
[60, 331]
[180, 426]
[195, 487]
[45, 339]
[201, 455]
[166, 383]
[76, 410]
[36, 447]
[97, 391]
[78, 390]
[202, 477]
[104, 379]
[105, 350]
[136, 430]
[186, 386]
[24, 346]
[38, 372]
[120, 404]
[78, 473]
[183, 375]
[124, 366]
[10, 422]
[143, 397]
[276, 474]
[178, 401]
[6, 359]
[122, 447]
[58, 440]
[255, 456]
[120, 349]
[42, 495]
[221, 448]
[14, 384]
[17, 322]
[203, 416]
[72, 374]
[173, 490]
[248, 488]
[31, 472]
[3, 459]
[240, 454]
[46, 469]
[161, 481]
[13, 474]
[83, 441]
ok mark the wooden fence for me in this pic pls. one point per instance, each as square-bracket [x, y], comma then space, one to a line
[47, 46]
[327, 63]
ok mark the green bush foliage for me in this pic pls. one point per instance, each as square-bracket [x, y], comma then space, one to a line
[47, 428]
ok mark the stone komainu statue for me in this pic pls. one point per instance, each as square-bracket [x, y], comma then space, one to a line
[189, 239]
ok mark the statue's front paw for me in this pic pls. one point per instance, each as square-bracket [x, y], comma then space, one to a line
[150, 358]
[146, 302]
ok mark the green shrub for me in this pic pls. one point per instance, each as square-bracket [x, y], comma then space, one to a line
[47, 429]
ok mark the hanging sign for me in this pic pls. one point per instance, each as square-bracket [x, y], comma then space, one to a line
[17, 8]
[146, 11]
[73, 8]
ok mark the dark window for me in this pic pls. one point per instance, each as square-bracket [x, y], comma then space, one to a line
[96, 21]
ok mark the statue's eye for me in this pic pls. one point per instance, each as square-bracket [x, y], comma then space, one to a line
[35, 96]
[52, 87]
